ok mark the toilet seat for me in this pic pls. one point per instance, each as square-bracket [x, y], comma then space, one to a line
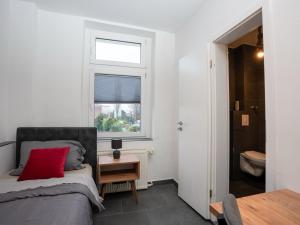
[253, 162]
[255, 156]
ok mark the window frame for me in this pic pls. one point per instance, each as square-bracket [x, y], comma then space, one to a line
[145, 117]
[93, 66]
[121, 38]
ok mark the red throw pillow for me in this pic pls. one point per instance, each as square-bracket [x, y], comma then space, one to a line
[45, 163]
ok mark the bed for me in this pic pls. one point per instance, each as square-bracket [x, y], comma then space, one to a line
[70, 200]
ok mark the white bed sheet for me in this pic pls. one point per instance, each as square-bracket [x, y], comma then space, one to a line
[83, 176]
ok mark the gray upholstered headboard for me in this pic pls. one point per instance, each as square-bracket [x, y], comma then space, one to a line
[87, 136]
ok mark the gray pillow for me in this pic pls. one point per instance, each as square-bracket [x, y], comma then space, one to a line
[74, 159]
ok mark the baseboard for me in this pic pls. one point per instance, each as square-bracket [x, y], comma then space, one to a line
[167, 181]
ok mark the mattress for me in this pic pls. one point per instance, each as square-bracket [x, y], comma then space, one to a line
[69, 200]
[84, 176]
[87, 170]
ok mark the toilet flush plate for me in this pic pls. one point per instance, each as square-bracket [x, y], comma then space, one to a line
[245, 120]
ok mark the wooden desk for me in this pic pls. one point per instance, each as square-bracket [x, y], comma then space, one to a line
[280, 207]
[111, 170]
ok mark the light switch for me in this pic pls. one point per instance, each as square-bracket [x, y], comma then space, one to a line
[245, 120]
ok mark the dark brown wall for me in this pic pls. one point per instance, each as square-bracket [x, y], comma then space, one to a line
[246, 83]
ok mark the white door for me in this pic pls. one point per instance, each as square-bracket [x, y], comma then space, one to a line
[194, 137]
[220, 121]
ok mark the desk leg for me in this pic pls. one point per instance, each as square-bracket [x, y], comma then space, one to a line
[133, 189]
[103, 190]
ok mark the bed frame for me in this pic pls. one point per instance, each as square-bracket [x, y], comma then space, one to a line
[87, 136]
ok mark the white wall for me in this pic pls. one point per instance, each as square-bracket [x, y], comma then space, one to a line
[48, 77]
[4, 37]
[7, 153]
[21, 60]
[281, 34]
[18, 45]
[58, 70]
[164, 161]
[213, 19]
[282, 24]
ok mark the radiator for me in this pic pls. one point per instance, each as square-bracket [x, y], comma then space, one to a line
[142, 183]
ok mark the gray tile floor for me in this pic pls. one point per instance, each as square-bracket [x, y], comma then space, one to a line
[159, 205]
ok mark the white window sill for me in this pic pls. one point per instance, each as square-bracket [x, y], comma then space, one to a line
[125, 139]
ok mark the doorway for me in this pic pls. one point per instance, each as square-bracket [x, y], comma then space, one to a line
[222, 103]
[247, 115]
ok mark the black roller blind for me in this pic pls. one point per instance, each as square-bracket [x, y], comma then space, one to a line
[117, 89]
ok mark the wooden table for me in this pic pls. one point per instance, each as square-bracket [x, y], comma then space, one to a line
[125, 169]
[280, 207]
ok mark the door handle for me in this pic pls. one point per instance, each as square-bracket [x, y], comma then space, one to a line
[180, 123]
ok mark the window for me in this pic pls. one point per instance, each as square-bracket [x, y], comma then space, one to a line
[118, 117]
[117, 103]
[119, 68]
[118, 51]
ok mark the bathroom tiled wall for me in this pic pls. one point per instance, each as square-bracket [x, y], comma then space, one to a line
[246, 86]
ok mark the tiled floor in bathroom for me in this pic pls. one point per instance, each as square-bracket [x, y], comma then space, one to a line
[247, 185]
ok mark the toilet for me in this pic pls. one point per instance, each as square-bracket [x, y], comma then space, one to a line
[253, 162]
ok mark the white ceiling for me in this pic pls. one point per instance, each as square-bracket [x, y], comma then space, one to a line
[165, 15]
